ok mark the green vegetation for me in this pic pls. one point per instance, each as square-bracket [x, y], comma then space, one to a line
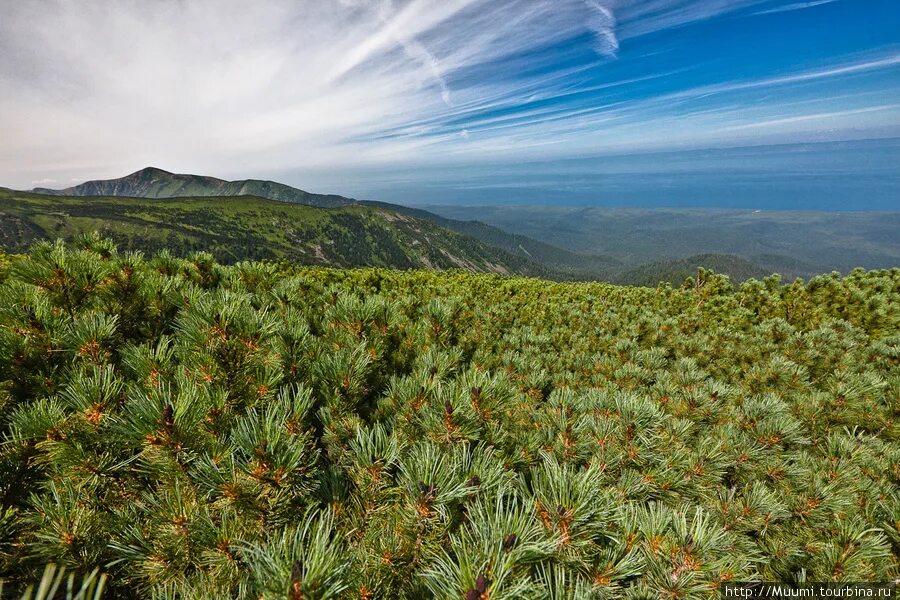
[248, 228]
[362, 234]
[561, 264]
[264, 430]
[526, 253]
[54, 583]
[678, 270]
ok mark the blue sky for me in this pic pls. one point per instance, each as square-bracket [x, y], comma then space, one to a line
[618, 102]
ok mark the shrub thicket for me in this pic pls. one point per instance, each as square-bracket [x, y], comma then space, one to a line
[193, 430]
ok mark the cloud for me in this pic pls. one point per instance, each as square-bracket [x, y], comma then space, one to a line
[795, 6]
[848, 68]
[97, 89]
[823, 116]
[399, 26]
[228, 86]
[641, 17]
[603, 23]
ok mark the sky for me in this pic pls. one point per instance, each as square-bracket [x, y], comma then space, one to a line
[607, 102]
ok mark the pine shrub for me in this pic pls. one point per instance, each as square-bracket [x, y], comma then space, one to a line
[191, 430]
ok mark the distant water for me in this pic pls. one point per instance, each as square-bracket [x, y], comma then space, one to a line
[856, 175]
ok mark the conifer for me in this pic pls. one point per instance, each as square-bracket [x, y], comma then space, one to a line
[187, 429]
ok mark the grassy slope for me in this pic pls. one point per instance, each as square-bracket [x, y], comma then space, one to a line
[153, 183]
[625, 245]
[792, 243]
[252, 228]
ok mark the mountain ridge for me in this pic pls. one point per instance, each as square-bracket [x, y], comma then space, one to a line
[252, 228]
[663, 254]
[575, 264]
[153, 182]
[156, 183]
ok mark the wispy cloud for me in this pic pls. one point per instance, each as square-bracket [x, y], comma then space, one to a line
[849, 68]
[602, 22]
[794, 6]
[94, 89]
[648, 16]
[205, 83]
[822, 116]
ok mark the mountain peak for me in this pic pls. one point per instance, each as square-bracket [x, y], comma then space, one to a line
[153, 182]
[149, 171]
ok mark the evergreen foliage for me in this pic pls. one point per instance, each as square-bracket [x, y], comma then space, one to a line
[261, 430]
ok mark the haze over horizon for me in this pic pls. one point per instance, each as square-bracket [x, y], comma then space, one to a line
[743, 103]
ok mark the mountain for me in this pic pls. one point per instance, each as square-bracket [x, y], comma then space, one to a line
[624, 245]
[792, 243]
[247, 227]
[157, 183]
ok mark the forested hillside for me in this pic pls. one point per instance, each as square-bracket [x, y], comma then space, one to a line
[563, 264]
[358, 235]
[264, 430]
[153, 183]
[246, 227]
[677, 270]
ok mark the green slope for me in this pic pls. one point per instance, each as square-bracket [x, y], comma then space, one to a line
[246, 227]
[638, 246]
[157, 183]
[573, 264]
[677, 270]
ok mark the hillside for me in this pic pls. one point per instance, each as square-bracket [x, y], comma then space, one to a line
[677, 270]
[157, 183]
[795, 244]
[246, 227]
[578, 266]
[193, 430]
[629, 246]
